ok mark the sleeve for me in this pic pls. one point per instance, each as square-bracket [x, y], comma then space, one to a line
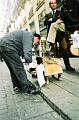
[46, 21]
[27, 46]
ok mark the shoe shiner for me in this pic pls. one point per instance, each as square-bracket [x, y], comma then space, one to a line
[12, 46]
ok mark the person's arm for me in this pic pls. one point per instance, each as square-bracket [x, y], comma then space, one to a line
[27, 46]
[48, 20]
[58, 16]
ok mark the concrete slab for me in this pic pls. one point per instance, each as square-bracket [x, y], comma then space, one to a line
[18, 106]
[63, 96]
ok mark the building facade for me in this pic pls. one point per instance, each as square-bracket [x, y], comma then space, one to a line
[30, 15]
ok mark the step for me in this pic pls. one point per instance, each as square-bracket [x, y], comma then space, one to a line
[63, 95]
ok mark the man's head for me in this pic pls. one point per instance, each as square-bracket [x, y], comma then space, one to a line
[53, 4]
[37, 35]
[36, 38]
[39, 60]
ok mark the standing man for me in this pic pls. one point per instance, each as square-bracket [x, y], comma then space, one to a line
[51, 16]
[55, 24]
[11, 47]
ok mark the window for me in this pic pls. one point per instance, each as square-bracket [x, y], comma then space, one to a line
[41, 18]
[32, 27]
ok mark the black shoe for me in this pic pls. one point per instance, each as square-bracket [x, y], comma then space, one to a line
[34, 91]
[70, 69]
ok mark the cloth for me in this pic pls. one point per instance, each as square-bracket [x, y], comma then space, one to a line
[40, 74]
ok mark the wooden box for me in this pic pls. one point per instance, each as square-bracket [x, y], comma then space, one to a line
[52, 65]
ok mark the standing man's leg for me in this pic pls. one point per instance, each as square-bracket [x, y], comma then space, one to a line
[54, 28]
[65, 54]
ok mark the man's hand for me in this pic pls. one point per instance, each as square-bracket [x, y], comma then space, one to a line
[59, 21]
[50, 19]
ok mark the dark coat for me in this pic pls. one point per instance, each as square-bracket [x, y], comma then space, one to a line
[19, 42]
[54, 18]
[70, 14]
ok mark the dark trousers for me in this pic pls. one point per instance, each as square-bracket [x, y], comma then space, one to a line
[16, 68]
[63, 48]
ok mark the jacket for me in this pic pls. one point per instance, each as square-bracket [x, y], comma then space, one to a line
[54, 17]
[19, 41]
[70, 14]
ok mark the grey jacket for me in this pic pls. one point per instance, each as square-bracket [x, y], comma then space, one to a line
[19, 41]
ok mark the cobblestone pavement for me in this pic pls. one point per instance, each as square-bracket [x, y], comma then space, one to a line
[18, 106]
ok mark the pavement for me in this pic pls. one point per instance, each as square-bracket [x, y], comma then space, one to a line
[59, 100]
[63, 95]
[18, 106]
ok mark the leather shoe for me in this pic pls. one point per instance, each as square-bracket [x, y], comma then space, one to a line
[32, 91]
[70, 68]
[36, 91]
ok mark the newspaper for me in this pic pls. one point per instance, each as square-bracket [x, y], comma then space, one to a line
[76, 39]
